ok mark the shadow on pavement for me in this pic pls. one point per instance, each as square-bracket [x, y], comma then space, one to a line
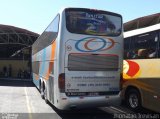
[16, 83]
[87, 113]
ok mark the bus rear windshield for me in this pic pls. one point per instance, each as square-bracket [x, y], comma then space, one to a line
[93, 22]
[89, 62]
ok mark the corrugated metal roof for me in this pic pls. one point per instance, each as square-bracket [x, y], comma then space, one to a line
[142, 22]
[14, 39]
[13, 29]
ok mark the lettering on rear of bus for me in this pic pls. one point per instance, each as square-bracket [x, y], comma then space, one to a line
[92, 77]
[81, 85]
[72, 90]
[114, 89]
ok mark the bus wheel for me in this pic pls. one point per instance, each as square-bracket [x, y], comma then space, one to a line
[45, 95]
[42, 91]
[133, 99]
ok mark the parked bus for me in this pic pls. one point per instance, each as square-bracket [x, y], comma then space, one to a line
[141, 74]
[77, 60]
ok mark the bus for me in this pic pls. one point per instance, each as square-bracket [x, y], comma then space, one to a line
[77, 60]
[141, 68]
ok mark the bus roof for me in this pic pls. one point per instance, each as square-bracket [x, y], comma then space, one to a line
[142, 22]
[141, 30]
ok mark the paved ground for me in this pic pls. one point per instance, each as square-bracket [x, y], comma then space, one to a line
[21, 96]
[21, 100]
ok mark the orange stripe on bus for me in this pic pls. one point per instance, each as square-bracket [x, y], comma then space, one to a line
[53, 50]
[36, 77]
[50, 68]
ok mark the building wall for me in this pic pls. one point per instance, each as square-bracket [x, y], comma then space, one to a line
[16, 67]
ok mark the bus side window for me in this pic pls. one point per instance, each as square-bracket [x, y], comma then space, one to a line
[153, 50]
[152, 53]
[142, 53]
[132, 54]
[127, 53]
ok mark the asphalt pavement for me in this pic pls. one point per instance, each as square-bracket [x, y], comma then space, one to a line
[20, 99]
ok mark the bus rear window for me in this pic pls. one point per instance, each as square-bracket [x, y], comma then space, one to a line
[89, 62]
[92, 22]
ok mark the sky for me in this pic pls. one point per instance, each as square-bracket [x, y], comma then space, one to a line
[35, 15]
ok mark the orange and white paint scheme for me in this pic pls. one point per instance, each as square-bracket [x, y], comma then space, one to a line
[77, 61]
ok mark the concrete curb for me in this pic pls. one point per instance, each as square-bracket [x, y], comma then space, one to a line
[15, 79]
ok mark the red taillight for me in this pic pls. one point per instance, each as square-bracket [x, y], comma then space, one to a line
[61, 82]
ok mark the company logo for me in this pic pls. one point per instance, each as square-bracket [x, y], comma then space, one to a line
[131, 70]
[94, 44]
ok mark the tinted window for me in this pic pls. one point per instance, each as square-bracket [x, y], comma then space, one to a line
[127, 44]
[91, 22]
[142, 46]
[47, 36]
[77, 62]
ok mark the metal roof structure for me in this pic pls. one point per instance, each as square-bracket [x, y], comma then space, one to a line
[13, 39]
[11, 34]
[142, 22]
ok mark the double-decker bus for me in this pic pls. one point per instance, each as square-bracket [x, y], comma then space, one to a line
[141, 74]
[77, 61]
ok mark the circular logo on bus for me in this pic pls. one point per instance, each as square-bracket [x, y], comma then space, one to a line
[94, 44]
[131, 69]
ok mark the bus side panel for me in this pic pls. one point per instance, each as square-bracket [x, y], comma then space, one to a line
[152, 94]
[49, 72]
[36, 80]
[145, 76]
[35, 70]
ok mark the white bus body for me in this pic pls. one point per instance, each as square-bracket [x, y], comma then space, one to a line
[77, 61]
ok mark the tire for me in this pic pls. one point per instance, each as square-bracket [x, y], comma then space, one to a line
[133, 99]
[42, 91]
[45, 96]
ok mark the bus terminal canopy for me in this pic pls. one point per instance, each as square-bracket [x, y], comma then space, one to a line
[142, 22]
[13, 40]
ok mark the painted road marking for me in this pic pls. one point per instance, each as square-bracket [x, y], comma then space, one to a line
[28, 104]
[119, 110]
[113, 110]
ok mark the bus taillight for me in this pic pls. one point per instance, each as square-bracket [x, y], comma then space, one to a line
[61, 82]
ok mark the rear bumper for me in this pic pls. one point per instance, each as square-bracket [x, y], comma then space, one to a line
[87, 102]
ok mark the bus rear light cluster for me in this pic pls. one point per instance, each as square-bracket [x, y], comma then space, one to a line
[61, 82]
